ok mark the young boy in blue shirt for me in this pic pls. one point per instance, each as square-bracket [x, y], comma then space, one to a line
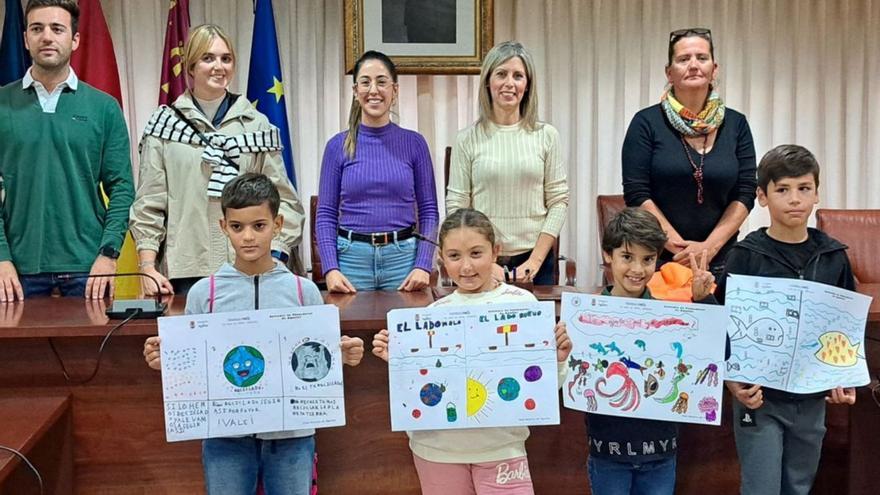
[631, 455]
[281, 460]
[779, 434]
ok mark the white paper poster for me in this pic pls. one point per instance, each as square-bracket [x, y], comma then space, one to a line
[473, 366]
[643, 358]
[795, 335]
[227, 374]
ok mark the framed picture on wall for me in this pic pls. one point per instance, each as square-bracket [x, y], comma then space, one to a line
[421, 36]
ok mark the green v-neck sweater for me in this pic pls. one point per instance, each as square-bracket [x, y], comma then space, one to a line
[53, 217]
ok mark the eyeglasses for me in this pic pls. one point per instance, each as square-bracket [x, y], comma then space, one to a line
[364, 85]
[681, 33]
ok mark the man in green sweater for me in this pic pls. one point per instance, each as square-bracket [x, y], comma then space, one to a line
[61, 140]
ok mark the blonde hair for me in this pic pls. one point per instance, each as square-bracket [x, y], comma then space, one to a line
[199, 42]
[528, 107]
[354, 114]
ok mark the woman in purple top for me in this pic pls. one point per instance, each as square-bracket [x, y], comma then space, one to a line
[376, 191]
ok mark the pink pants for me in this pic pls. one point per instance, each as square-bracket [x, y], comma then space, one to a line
[508, 477]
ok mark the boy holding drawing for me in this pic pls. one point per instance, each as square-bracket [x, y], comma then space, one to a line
[632, 455]
[779, 434]
[250, 205]
[474, 461]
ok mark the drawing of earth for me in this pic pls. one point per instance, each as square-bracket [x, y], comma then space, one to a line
[508, 389]
[310, 361]
[431, 394]
[244, 366]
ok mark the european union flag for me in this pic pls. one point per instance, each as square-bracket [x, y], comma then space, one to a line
[264, 78]
[14, 58]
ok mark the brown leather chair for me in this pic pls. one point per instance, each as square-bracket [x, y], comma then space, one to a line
[860, 230]
[570, 264]
[607, 206]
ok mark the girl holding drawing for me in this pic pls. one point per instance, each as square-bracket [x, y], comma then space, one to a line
[486, 460]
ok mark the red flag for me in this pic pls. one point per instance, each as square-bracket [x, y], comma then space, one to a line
[173, 76]
[96, 47]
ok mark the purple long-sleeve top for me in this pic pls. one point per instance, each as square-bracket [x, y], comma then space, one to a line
[378, 190]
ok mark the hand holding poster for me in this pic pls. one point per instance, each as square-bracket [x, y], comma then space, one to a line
[643, 358]
[795, 335]
[473, 366]
[240, 373]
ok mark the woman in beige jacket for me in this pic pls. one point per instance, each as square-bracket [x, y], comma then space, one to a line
[188, 152]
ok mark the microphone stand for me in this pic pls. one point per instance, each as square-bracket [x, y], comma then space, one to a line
[123, 309]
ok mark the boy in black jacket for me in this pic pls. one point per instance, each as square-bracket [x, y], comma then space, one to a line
[779, 434]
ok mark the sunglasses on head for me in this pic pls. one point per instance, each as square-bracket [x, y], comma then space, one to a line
[682, 33]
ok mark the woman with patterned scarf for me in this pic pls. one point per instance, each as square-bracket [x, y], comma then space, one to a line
[689, 160]
[188, 152]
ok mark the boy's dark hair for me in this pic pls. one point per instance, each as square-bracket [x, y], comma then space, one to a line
[69, 5]
[786, 160]
[250, 189]
[633, 226]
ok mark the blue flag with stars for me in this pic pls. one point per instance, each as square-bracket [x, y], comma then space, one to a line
[14, 58]
[264, 79]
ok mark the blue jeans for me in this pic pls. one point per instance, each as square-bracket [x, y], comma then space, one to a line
[42, 284]
[232, 465]
[370, 267]
[625, 478]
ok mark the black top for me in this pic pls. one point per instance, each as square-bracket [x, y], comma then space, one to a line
[820, 258]
[656, 167]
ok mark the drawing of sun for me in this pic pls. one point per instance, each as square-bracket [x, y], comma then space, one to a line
[479, 403]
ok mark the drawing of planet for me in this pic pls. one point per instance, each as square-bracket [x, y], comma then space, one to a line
[431, 394]
[533, 373]
[530, 404]
[508, 389]
[310, 361]
[243, 366]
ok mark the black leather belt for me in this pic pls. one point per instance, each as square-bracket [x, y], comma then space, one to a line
[378, 238]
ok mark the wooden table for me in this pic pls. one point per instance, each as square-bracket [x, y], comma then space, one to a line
[39, 428]
[118, 420]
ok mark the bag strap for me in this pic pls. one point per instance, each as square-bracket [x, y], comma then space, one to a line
[211, 294]
[199, 133]
[299, 290]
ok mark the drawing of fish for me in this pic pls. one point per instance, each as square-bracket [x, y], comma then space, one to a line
[837, 350]
[613, 348]
[763, 331]
[632, 364]
[640, 344]
[599, 348]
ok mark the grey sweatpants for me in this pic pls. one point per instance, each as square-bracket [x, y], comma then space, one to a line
[779, 455]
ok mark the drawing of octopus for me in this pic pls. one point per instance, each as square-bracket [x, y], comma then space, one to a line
[592, 405]
[709, 374]
[681, 405]
[627, 397]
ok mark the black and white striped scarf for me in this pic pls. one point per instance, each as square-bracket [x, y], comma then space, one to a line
[221, 151]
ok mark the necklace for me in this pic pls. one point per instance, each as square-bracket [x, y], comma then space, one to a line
[698, 170]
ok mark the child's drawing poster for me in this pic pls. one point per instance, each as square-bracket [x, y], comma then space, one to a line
[227, 374]
[643, 358]
[795, 335]
[473, 366]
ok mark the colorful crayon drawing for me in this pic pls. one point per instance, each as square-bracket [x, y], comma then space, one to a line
[638, 358]
[242, 373]
[795, 335]
[483, 366]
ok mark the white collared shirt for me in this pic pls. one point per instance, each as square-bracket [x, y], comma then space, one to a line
[49, 100]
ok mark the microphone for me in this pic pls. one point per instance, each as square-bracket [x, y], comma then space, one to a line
[138, 309]
[424, 238]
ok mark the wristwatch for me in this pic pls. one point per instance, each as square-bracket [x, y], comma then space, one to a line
[109, 252]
